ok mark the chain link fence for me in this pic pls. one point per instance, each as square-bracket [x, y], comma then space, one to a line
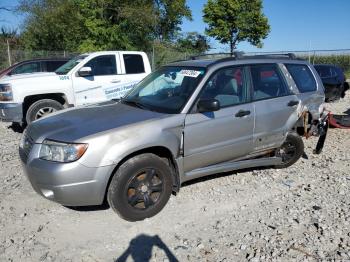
[9, 56]
[340, 57]
[163, 55]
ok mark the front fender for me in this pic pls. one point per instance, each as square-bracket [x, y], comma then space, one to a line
[115, 145]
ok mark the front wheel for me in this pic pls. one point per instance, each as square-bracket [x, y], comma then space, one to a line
[290, 151]
[140, 188]
[42, 108]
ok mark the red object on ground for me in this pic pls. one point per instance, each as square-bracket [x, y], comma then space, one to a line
[339, 121]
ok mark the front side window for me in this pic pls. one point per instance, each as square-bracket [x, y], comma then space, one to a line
[303, 77]
[166, 90]
[133, 64]
[103, 65]
[64, 69]
[27, 68]
[267, 82]
[227, 86]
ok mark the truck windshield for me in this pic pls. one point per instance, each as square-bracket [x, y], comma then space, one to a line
[166, 90]
[64, 69]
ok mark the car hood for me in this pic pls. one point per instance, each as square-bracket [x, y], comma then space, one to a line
[26, 76]
[74, 124]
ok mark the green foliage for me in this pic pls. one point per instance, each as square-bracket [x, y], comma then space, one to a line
[233, 21]
[169, 15]
[181, 49]
[193, 42]
[89, 25]
[343, 61]
[8, 34]
[51, 24]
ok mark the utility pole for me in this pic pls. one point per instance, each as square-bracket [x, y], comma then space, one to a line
[154, 37]
[8, 52]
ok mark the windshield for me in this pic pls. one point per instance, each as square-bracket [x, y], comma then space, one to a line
[166, 90]
[64, 69]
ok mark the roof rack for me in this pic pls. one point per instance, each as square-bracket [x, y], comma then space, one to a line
[214, 55]
[242, 56]
[238, 55]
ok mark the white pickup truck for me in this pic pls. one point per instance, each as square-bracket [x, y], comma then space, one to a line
[86, 79]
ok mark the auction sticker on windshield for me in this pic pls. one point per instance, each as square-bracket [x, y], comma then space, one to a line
[190, 73]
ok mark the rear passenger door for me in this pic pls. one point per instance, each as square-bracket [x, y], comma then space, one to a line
[275, 106]
[132, 71]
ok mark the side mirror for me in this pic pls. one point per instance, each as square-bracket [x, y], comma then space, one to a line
[85, 71]
[208, 105]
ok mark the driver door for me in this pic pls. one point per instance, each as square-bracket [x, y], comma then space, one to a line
[215, 137]
[90, 89]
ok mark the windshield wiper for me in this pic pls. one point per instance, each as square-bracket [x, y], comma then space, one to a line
[133, 103]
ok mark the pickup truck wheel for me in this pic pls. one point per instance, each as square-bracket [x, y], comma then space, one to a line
[290, 151]
[42, 108]
[140, 188]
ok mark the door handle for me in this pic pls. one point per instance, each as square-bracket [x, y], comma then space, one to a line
[115, 81]
[293, 103]
[242, 113]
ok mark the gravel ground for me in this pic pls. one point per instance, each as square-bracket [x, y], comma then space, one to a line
[296, 214]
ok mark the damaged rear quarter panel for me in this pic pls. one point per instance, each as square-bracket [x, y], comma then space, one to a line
[312, 102]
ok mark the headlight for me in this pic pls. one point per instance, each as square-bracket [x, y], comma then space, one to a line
[6, 92]
[61, 152]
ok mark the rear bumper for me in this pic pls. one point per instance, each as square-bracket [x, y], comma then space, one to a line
[70, 184]
[11, 112]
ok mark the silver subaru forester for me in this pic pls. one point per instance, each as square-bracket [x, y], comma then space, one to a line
[187, 120]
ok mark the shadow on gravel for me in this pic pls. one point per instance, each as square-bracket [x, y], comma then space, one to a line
[140, 249]
[16, 128]
[347, 111]
[215, 176]
[104, 206]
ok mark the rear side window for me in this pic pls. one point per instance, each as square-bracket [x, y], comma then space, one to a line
[51, 66]
[267, 82]
[302, 77]
[103, 65]
[133, 64]
[27, 68]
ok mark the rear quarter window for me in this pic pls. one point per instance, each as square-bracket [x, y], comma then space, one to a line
[303, 77]
[133, 64]
[52, 66]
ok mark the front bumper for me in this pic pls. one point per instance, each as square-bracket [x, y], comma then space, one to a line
[70, 184]
[11, 112]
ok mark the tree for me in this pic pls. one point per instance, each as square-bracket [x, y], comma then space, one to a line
[234, 21]
[8, 34]
[193, 42]
[168, 17]
[52, 25]
[90, 25]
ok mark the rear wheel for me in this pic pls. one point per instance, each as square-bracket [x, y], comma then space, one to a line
[290, 151]
[42, 108]
[140, 188]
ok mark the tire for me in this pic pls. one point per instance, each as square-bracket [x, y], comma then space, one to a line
[42, 108]
[290, 151]
[140, 188]
[342, 91]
